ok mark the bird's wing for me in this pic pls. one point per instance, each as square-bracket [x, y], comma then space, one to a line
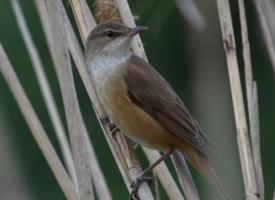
[148, 90]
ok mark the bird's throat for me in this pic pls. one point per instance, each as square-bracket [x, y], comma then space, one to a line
[105, 70]
[103, 63]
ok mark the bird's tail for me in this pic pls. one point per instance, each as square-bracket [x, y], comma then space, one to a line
[204, 166]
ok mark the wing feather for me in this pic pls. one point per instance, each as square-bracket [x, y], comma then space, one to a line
[143, 84]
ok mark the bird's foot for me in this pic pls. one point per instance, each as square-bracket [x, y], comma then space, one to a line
[114, 130]
[136, 184]
[112, 127]
[105, 121]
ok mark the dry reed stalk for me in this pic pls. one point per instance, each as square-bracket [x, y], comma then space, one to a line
[122, 151]
[252, 102]
[36, 127]
[98, 178]
[244, 146]
[184, 174]
[100, 183]
[84, 19]
[266, 32]
[76, 127]
[45, 89]
[77, 54]
[156, 187]
[165, 178]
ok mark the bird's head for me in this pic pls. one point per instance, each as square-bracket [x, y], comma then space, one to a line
[110, 38]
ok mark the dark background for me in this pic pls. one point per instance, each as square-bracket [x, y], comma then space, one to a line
[192, 61]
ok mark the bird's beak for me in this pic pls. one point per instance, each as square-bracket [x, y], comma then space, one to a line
[136, 30]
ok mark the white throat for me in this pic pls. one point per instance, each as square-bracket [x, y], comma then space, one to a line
[105, 68]
[106, 62]
[110, 56]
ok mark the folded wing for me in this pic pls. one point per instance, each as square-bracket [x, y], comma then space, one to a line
[148, 90]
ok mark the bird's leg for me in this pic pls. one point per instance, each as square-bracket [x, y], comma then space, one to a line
[142, 177]
[112, 127]
[114, 130]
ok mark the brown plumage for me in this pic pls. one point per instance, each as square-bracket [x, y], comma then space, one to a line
[141, 103]
[170, 112]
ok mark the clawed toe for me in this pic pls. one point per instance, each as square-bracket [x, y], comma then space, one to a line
[136, 184]
[114, 130]
[141, 178]
[114, 134]
[134, 196]
[112, 127]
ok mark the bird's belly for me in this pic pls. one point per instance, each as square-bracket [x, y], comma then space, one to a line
[135, 123]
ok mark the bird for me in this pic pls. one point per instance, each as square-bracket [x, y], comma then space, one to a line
[141, 103]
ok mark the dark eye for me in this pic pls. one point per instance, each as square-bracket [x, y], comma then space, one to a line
[108, 33]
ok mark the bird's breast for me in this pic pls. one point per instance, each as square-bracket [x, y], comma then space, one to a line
[138, 125]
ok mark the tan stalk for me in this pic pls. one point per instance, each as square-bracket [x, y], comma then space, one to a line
[156, 187]
[76, 127]
[244, 146]
[77, 54]
[184, 175]
[252, 101]
[45, 88]
[36, 127]
[165, 178]
[84, 19]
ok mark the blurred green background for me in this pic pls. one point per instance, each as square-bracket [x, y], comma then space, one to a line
[192, 61]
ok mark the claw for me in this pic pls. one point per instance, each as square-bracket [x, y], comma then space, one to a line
[112, 127]
[114, 130]
[134, 196]
[136, 184]
[141, 178]
[114, 133]
[105, 121]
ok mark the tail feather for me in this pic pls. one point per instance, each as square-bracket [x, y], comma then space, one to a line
[204, 166]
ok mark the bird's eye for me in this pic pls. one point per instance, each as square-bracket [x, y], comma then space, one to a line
[108, 33]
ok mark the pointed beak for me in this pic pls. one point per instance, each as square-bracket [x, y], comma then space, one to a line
[136, 30]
